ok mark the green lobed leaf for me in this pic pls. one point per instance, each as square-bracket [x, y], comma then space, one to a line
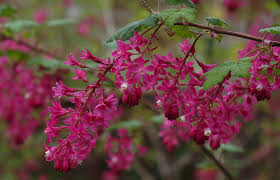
[237, 69]
[183, 31]
[131, 124]
[18, 25]
[127, 31]
[171, 16]
[217, 21]
[186, 2]
[272, 30]
[61, 22]
[7, 10]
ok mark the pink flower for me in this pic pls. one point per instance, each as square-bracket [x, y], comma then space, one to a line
[40, 16]
[80, 74]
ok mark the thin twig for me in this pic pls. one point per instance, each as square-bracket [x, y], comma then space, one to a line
[231, 33]
[145, 4]
[30, 46]
[220, 166]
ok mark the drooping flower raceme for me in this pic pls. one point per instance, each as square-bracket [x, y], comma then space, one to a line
[214, 115]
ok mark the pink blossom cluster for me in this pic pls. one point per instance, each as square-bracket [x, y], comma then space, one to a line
[76, 129]
[122, 152]
[265, 65]
[41, 16]
[13, 45]
[205, 114]
[22, 92]
[214, 115]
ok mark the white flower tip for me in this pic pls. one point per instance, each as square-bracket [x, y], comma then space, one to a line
[124, 86]
[207, 132]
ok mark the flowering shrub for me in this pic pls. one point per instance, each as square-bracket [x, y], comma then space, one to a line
[152, 104]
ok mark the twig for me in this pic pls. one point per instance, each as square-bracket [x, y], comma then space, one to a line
[231, 33]
[30, 46]
[145, 4]
[142, 171]
[220, 166]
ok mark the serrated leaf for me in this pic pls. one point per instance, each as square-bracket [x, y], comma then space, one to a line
[7, 10]
[231, 148]
[132, 124]
[48, 63]
[18, 25]
[241, 68]
[217, 75]
[183, 31]
[186, 2]
[217, 21]
[127, 31]
[272, 30]
[171, 16]
[61, 22]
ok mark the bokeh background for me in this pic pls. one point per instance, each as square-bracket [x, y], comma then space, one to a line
[37, 51]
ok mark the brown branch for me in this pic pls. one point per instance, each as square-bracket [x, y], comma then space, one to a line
[30, 46]
[220, 166]
[226, 32]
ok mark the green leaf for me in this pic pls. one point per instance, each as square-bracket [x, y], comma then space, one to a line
[61, 22]
[231, 148]
[7, 10]
[241, 68]
[171, 16]
[18, 25]
[158, 119]
[186, 2]
[217, 21]
[48, 63]
[272, 30]
[183, 31]
[217, 75]
[127, 31]
[131, 124]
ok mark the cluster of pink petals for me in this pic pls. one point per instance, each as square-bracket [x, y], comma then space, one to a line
[22, 92]
[41, 16]
[84, 27]
[13, 45]
[203, 114]
[76, 129]
[122, 151]
[214, 115]
[265, 66]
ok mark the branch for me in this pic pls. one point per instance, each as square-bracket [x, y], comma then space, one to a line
[231, 33]
[30, 46]
[220, 166]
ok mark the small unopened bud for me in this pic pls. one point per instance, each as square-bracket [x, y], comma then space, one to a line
[207, 132]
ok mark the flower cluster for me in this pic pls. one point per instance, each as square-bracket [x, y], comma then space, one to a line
[22, 92]
[122, 152]
[76, 130]
[214, 115]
